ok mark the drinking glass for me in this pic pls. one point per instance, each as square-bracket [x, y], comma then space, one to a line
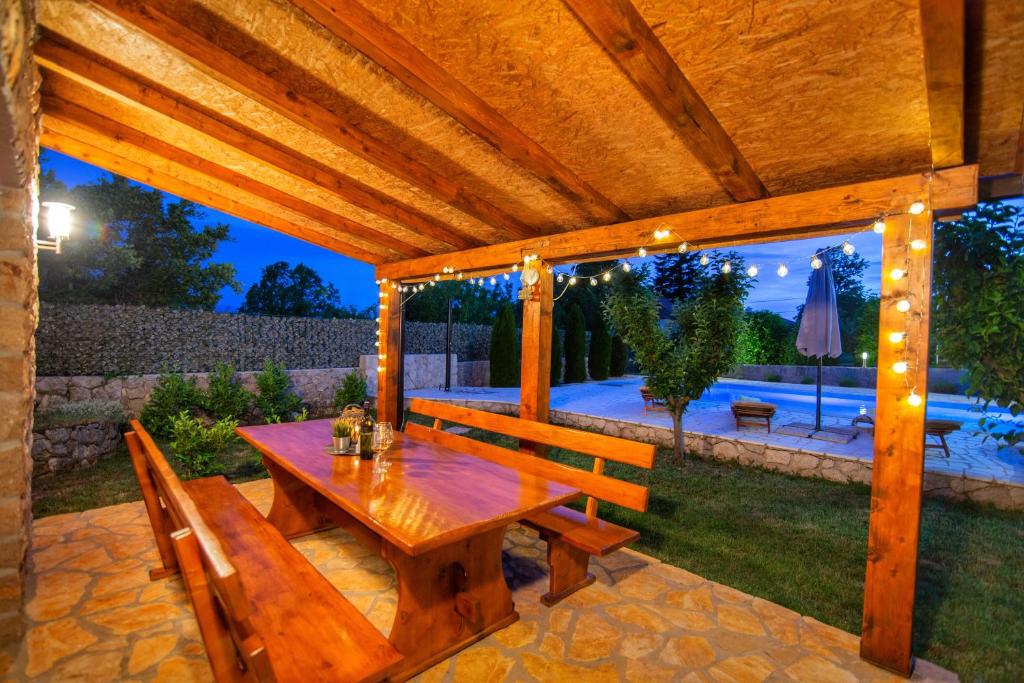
[383, 436]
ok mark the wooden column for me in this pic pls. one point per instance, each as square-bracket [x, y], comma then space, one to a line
[388, 355]
[899, 444]
[535, 374]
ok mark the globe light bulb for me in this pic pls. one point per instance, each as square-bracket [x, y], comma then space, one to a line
[684, 247]
[626, 267]
[515, 267]
[879, 226]
[572, 280]
[726, 268]
[896, 337]
[493, 282]
[607, 276]
[918, 245]
[848, 248]
[436, 278]
[459, 276]
[899, 367]
[916, 209]
[505, 275]
[432, 283]
[897, 273]
[914, 399]
[704, 260]
[752, 271]
[783, 271]
[661, 233]
[816, 263]
[376, 282]
[902, 305]
[593, 282]
[561, 278]
[642, 252]
[550, 269]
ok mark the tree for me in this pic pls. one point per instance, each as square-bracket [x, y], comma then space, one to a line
[676, 275]
[680, 364]
[764, 338]
[504, 349]
[600, 355]
[133, 248]
[588, 297]
[293, 291]
[619, 358]
[476, 305]
[575, 346]
[556, 356]
[978, 303]
[867, 330]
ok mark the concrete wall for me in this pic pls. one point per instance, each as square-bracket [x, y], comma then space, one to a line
[835, 375]
[19, 149]
[138, 340]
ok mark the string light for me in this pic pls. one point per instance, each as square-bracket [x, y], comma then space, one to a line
[506, 276]
[879, 226]
[560, 278]
[493, 282]
[572, 280]
[918, 245]
[896, 337]
[914, 399]
[816, 262]
[459, 276]
[515, 267]
[916, 209]
[626, 267]
[752, 271]
[897, 273]
[432, 283]
[902, 305]
[661, 233]
[704, 260]
[899, 367]
[593, 282]
[783, 271]
[607, 276]
[848, 248]
[684, 247]
[550, 269]
[642, 252]
[726, 268]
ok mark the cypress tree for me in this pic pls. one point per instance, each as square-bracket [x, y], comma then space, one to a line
[575, 346]
[619, 359]
[504, 354]
[556, 356]
[600, 351]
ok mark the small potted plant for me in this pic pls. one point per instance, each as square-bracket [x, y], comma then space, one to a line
[341, 433]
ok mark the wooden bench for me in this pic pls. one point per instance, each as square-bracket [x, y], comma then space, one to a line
[939, 429]
[753, 414]
[650, 402]
[264, 612]
[572, 536]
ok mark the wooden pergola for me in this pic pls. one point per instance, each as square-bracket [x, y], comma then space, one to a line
[436, 138]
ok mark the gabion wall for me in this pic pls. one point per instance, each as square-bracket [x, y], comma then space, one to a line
[132, 340]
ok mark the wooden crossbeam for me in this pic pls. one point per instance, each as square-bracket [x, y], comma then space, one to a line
[107, 159]
[56, 89]
[360, 28]
[202, 52]
[942, 32]
[830, 211]
[63, 56]
[620, 29]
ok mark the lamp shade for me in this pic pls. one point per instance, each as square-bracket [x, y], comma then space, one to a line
[58, 219]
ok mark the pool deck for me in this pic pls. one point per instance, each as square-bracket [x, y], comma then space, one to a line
[619, 399]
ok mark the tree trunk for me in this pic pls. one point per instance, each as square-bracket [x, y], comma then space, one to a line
[678, 407]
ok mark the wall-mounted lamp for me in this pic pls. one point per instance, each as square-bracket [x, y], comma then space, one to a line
[58, 222]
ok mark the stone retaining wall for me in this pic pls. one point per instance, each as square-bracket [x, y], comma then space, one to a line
[943, 380]
[138, 340]
[796, 461]
[66, 448]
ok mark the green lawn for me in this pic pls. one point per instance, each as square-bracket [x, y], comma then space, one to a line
[798, 542]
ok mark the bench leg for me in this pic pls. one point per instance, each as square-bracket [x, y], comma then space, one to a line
[568, 571]
[294, 512]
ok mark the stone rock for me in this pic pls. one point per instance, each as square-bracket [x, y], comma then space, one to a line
[148, 651]
[691, 652]
[482, 665]
[593, 638]
[815, 669]
[48, 642]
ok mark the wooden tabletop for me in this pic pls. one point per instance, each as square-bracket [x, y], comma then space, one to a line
[428, 497]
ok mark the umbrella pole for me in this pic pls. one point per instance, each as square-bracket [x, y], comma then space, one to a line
[817, 412]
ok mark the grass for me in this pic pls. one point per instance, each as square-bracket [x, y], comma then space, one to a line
[797, 542]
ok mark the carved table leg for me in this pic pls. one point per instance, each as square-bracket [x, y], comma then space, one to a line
[294, 511]
[448, 599]
[568, 571]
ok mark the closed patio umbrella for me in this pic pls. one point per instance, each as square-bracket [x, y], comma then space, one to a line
[819, 325]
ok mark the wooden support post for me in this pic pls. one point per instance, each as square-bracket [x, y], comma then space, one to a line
[389, 351]
[898, 466]
[535, 374]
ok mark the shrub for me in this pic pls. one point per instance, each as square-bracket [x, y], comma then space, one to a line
[575, 346]
[352, 390]
[79, 413]
[556, 356]
[600, 352]
[275, 400]
[848, 382]
[172, 395]
[504, 355]
[619, 357]
[806, 380]
[226, 397]
[196, 447]
[773, 377]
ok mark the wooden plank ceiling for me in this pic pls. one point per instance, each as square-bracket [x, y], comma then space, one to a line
[404, 128]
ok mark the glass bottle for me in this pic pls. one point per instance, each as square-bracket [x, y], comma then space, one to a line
[366, 434]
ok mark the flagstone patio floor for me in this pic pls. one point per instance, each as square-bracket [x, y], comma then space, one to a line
[94, 615]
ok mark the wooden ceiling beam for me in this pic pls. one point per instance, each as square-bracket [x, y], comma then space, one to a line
[63, 56]
[620, 29]
[942, 33]
[241, 76]
[106, 159]
[360, 28]
[829, 211]
[61, 109]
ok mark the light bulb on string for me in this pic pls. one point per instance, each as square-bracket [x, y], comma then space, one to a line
[515, 267]
[816, 262]
[899, 367]
[896, 337]
[607, 276]
[493, 282]
[752, 271]
[704, 260]
[572, 280]
[902, 305]
[783, 271]
[726, 268]
[550, 269]
[916, 209]
[918, 245]
[626, 267]
[914, 399]
[459, 276]
[897, 273]
[848, 248]
[642, 252]
[684, 247]
[561, 278]
[593, 282]
[661, 233]
[505, 275]
[437, 278]
[879, 226]
[432, 283]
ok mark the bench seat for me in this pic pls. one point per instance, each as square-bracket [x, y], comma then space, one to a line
[591, 534]
[310, 631]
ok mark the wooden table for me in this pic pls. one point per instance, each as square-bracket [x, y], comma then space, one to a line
[436, 515]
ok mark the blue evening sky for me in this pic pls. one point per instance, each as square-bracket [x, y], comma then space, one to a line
[254, 247]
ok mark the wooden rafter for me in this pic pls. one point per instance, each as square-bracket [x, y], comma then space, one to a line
[60, 109]
[833, 210]
[63, 56]
[942, 31]
[632, 45]
[358, 27]
[236, 73]
[105, 158]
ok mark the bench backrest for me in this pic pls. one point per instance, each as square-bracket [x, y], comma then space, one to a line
[222, 608]
[595, 483]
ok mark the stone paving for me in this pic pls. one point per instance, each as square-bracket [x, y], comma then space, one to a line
[95, 616]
